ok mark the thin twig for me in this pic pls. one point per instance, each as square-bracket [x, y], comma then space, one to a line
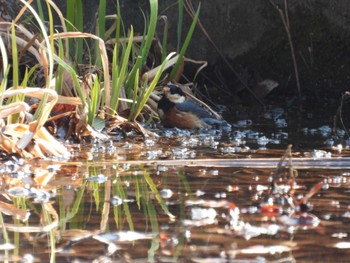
[190, 10]
[340, 113]
[285, 20]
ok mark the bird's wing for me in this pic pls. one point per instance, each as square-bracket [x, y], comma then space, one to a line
[190, 106]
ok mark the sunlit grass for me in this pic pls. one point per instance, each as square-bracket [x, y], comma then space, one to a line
[94, 95]
[122, 80]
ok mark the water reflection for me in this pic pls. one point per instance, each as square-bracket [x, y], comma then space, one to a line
[128, 213]
[163, 200]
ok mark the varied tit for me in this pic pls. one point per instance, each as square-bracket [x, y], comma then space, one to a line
[176, 109]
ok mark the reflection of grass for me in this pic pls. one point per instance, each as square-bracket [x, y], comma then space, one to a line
[67, 216]
[87, 213]
[5, 235]
[137, 183]
[145, 193]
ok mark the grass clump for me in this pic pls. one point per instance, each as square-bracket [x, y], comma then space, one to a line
[91, 91]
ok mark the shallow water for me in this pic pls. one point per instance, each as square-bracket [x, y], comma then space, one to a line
[184, 197]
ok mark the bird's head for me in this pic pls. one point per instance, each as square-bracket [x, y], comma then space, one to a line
[174, 93]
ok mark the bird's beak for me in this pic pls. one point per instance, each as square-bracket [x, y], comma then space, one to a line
[166, 89]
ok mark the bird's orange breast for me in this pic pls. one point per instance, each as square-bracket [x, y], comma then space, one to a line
[182, 120]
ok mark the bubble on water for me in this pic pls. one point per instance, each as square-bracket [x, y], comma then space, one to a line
[116, 201]
[340, 132]
[340, 235]
[149, 142]
[151, 155]
[261, 188]
[327, 216]
[243, 123]
[40, 195]
[329, 142]
[335, 203]
[101, 178]
[111, 149]
[312, 131]
[262, 141]
[214, 172]
[253, 135]
[166, 193]
[200, 193]
[317, 154]
[162, 168]
[346, 214]
[261, 249]
[325, 186]
[281, 123]
[305, 131]
[7, 246]
[203, 213]
[325, 130]
[228, 149]
[191, 142]
[126, 166]
[277, 113]
[342, 245]
[18, 192]
[339, 148]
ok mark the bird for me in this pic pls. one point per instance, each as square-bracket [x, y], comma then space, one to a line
[177, 109]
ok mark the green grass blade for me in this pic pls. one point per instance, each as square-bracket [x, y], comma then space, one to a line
[79, 23]
[70, 14]
[179, 23]
[27, 76]
[186, 44]
[40, 10]
[71, 71]
[5, 67]
[75, 17]
[46, 41]
[14, 57]
[15, 73]
[51, 25]
[93, 103]
[119, 19]
[100, 28]
[147, 94]
[151, 29]
[60, 69]
[119, 76]
[145, 46]
[102, 19]
[136, 98]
